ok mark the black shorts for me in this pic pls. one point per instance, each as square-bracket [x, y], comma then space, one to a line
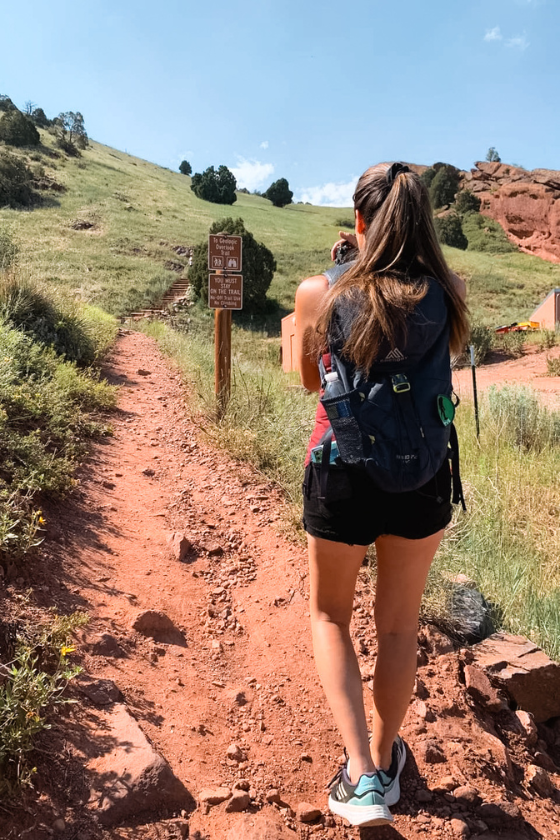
[356, 512]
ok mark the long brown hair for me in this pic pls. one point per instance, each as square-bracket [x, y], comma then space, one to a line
[389, 277]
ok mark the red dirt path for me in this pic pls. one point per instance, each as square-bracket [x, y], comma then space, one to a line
[245, 674]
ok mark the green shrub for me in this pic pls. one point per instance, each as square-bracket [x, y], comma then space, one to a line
[24, 306]
[553, 367]
[17, 130]
[481, 338]
[444, 185]
[467, 202]
[185, 168]
[450, 231]
[15, 182]
[8, 250]
[33, 686]
[214, 185]
[279, 193]
[45, 417]
[521, 419]
[511, 343]
[259, 266]
[485, 234]
[428, 176]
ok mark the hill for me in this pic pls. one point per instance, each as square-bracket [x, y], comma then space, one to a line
[111, 228]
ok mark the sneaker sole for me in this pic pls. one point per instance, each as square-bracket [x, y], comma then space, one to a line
[393, 795]
[361, 815]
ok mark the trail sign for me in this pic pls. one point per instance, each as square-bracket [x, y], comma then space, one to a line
[225, 291]
[224, 252]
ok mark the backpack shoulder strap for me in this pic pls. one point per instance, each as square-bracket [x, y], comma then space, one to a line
[458, 496]
[334, 272]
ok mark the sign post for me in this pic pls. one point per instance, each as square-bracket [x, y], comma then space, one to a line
[225, 292]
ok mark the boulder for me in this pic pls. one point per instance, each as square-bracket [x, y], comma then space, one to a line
[259, 827]
[179, 546]
[524, 671]
[130, 777]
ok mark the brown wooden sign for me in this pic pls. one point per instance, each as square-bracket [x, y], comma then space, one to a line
[225, 291]
[224, 252]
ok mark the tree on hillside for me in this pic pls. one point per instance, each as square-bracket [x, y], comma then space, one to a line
[40, 118]
[6, 103]
[213, 185]
[17, 130]
[185, 168]
[492, 155]
[279, 193]
[450, 231]
[70, 131]
[15, 182]
[467, 202]
[444, 185]
[259, 266]
[428, 176]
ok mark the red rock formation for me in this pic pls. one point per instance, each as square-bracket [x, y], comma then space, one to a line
[526, 204]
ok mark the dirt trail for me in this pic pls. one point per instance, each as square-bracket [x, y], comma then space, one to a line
[241, 669]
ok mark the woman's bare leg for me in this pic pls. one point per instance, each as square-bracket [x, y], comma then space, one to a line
[402, 569]
[333, 569]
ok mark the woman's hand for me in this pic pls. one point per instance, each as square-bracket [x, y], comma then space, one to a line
[344, 237]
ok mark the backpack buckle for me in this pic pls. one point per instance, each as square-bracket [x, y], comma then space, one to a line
[400, 383]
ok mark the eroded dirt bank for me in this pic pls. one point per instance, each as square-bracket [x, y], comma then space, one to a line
[237, 667]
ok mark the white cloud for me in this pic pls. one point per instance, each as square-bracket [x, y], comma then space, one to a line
[251, 174]
[330, 195]
[493, 34]
[518, 42]
[264, 144]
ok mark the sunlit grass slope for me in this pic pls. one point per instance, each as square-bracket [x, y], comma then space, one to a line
[140, 211]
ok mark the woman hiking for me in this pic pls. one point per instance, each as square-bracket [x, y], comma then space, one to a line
[395, 307]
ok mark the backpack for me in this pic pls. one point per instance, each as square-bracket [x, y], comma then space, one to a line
[396, 422]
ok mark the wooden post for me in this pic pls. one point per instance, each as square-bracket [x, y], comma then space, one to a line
[222, 357]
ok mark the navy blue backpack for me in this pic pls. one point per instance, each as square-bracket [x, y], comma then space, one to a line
[396, 422]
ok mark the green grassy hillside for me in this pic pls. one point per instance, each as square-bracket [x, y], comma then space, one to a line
[140, 211]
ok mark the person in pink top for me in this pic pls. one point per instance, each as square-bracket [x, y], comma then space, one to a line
[398, 265]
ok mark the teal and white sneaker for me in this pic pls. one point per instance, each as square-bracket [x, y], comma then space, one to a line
[362, 804]
[390, 777]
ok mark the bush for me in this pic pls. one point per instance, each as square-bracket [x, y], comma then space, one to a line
[467, 202]
[493, 156]
[518, 413]
[32, 688]
[450, 231]
[6, 103]
[259, 266]
[216, 186]
[8, 250]
[485, 234]
[481, 339]
[15, 182]
[511, 344]
[428, 176]
[17, 130]
[444, 185]
[279, 193]
[185, 168]
[553, 367]
[40, 118]
[26, 307]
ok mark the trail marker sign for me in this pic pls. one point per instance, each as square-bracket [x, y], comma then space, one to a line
[224, 252]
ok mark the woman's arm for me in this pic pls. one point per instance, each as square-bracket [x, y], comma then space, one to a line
[309, 297]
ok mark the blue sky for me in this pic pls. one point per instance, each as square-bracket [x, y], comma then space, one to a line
[311, 91]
